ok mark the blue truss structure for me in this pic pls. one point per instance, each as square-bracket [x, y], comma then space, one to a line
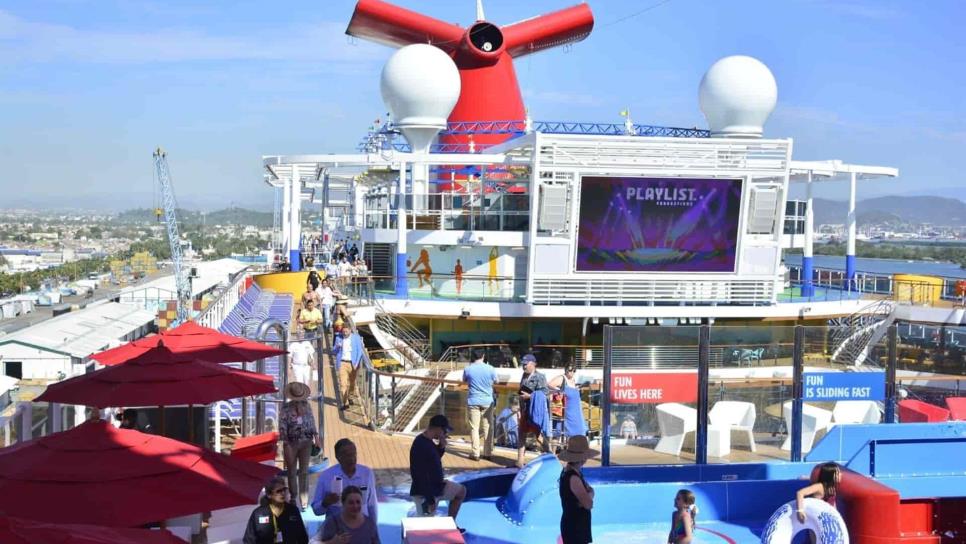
[384, 137]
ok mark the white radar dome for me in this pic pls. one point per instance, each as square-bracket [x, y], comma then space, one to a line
[737, 94]
[420, 86]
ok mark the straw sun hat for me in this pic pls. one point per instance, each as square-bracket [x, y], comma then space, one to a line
[297, 391]
[578, 449]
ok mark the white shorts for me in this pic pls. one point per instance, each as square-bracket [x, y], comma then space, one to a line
[450, 491]
[301, 374]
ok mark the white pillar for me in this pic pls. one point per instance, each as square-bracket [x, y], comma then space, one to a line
[26, 422]
[402, 286]
[217, 426]
[80, 415]
[850, 248]
[286, 211]
[806, 278]
[295, 225]
[55, 412]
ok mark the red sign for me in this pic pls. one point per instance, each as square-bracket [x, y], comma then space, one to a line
[655, 387]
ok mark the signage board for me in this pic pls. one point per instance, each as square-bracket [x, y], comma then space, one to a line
[833, 386]
[653, 387]
[632, 224]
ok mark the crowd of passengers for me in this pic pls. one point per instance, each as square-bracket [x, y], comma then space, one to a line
[345, 493]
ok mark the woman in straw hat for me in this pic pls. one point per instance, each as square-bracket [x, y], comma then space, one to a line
[576, 495]
[296, 427]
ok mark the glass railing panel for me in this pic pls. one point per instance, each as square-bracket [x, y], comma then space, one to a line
[749, 382]
[930, 373]
[653, 395]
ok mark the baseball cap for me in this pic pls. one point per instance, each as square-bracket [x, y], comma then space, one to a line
[439, 420]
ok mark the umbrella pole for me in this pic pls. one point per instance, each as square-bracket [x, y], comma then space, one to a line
[191, 425]
[161, 422]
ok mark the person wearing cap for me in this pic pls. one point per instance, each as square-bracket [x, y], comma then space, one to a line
[479, 377]
[296, 428]
[576, 495]
[426, 470]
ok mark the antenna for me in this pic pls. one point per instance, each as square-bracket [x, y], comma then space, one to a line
[479, 11]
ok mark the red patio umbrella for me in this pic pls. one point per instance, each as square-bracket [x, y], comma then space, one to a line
[192, 341]
[100, 475]
[517, 190]
[158, 378]
[25, 531]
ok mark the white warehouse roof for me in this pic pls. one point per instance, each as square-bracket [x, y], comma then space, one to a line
[83, 332]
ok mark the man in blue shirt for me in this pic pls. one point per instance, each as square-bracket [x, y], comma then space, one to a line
[426, 470]
[479, 377]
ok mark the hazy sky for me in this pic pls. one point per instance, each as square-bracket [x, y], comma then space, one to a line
[88, 88]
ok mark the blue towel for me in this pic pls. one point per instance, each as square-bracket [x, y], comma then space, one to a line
[574, 424]
[539, 411]
[507, 423]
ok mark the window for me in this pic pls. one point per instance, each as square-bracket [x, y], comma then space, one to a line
[14, 369]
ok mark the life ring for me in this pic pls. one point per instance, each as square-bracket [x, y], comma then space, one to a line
[820, 517]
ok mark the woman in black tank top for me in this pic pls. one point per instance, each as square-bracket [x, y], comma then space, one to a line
[576, 495]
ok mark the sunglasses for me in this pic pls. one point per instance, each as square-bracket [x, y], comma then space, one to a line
[280, 490]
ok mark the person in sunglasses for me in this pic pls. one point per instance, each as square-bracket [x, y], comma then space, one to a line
[276, 519]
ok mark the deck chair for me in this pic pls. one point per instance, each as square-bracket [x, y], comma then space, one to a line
[675, 421]
[814, 421]
[739, 416]
[855, 411]
[957, 408]
[917, 411]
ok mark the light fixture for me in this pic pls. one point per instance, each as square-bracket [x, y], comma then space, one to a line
[464, 313]
[595, 320]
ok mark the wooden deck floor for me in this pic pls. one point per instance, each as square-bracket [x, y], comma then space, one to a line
[385, 453]
[388, 454]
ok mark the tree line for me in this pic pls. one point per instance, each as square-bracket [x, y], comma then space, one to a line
[952, 254]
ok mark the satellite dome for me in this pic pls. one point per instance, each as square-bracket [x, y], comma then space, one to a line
[420, 86]
[737, 94]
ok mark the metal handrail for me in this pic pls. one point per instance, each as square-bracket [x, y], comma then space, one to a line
[222, 300]
[852, 338]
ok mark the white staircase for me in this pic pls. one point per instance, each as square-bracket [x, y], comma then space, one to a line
[855, 336]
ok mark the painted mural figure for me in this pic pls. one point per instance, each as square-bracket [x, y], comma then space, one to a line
[458, 274]
[426, 272]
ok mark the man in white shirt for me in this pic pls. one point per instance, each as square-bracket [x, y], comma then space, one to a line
[300, 370]
[345, 273]
[332, 272]
[333, 480]
[327, 297]
[361, 277]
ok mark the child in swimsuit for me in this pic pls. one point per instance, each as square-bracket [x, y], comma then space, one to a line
[824, 487]
[682, 520]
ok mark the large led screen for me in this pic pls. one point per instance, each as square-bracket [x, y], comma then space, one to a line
[658, 224]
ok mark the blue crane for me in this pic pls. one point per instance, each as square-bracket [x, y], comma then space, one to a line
[169, 204]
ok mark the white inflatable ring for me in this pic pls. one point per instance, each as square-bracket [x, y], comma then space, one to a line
[820, 517]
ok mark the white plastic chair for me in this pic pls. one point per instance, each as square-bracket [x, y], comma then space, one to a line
[675, 421]
[856, 411]
[739, 416]
[814, 420]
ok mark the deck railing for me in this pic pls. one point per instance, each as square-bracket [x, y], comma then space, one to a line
[219, 308]
[498, 211]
